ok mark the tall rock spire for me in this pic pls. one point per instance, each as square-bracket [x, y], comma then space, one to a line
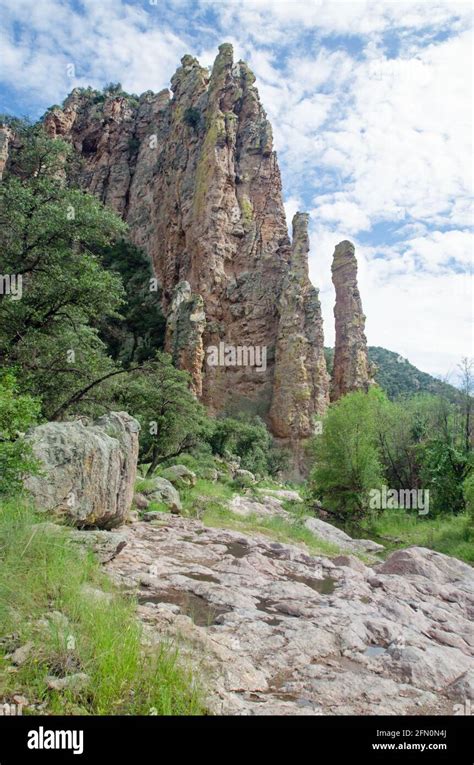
[351, 369]
[5, 136]
[301, 383]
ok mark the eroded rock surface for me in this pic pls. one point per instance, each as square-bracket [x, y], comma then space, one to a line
[279, 631]
[88, 471]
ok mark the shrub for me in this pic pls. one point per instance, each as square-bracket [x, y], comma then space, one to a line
[192, 117]
[347, 459]
[17, 413]
[468, 492]
[247, 439]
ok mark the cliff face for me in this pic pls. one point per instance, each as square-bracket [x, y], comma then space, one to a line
[196, 178]
[352, 369]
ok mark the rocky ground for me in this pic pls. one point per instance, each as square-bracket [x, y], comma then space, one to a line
[277, 631]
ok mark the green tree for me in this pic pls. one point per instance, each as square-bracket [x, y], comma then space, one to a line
[158, 395]
[468, 490]
[347, 461]
[50, 239]
[247, 439]
[139, 332]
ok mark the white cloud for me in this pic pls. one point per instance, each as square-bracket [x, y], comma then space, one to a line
[423, 314]
[365, 132]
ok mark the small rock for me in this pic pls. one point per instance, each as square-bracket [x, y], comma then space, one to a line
[140, 501]
[77, 682]
[246, 475]
[152, 515]
[96, 594]
[22, 654]
[350, 562]
[21, 700]
[105, 544]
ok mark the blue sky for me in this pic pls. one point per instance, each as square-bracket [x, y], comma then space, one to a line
[371, 106]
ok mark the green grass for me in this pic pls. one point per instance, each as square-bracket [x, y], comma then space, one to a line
[213, 491]
[208, 501]
[277, 528]
[449, 534]
[42, 572]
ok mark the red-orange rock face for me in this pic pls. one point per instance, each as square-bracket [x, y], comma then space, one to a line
[196, 178]
[352, 370]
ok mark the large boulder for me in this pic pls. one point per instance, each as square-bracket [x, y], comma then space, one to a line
[88, 470]
[180, 476]
[161, 490]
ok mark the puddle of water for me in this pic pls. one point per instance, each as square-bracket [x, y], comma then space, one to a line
[300, 701]
[273, 554]
[237, 549]
[276, 551]
[199, 609]
[201, 577]
[375, 650]
[324, 586]
[270, 607]
[265, 605]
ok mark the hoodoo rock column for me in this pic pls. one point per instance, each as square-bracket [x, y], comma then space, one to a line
[352, 370]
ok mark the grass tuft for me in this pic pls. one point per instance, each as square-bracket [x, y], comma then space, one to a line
[448, 534]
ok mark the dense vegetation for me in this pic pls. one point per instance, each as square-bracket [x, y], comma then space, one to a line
[399, 468]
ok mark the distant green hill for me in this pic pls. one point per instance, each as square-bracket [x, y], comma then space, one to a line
[398, 377]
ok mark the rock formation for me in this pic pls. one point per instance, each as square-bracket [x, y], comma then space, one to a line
[196, 178]
[283, 632]
[5, 136]
[87, 471]
[352, 370]
[301, 382]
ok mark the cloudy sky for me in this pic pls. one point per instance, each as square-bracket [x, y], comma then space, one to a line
[371, 105]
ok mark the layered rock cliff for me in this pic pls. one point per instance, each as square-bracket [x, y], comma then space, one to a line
[195, 176]
[352, 369]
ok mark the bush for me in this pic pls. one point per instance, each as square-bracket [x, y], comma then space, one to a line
[17, 414]
[347, 458]
[247, 439]
[443, 470]
[468, 492]
[172, 420]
